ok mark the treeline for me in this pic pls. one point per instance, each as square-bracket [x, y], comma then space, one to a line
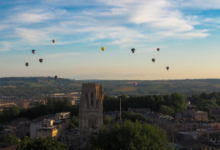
[205, 101]
[36, 91]
[33, 86]
[53, 106]
[169, 104]
[27, 143]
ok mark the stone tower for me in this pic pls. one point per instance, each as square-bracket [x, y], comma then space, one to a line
[90, 107]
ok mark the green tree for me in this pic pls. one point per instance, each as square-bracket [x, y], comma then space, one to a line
[47, 143]
[130, 136]
[107, 120]
[10, 138]
[166, 110]
[74, 123]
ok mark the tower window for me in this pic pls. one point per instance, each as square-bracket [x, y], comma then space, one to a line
[91, 95]
[92, 102]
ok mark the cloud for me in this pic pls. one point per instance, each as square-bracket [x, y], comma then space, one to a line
[58, 55]
[5, 46]
[32, 35]
[32, 18]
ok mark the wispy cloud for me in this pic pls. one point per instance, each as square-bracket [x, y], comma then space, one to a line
[5, 46]
[58, 55]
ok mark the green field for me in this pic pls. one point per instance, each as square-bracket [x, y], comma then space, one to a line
[32, 86]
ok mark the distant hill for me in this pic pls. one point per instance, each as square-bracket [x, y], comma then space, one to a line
[30, 86]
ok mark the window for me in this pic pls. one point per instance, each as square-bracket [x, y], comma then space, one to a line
[91, 95]
[86, 95]
[92, 102]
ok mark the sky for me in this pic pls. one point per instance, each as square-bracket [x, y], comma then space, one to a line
[186, 31]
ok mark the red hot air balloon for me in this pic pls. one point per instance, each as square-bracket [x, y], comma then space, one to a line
[134, 84]
[153, 59]
[33, 51]
[41, 60]
[158, 49]
[133, 50]
[53, 41]
[167, 67]
[26, 64]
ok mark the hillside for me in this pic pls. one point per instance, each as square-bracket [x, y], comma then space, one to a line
[31, 86]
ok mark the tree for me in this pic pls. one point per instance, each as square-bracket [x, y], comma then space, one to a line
[107, 120]
[74, 123]
[131, 136]
[10, 138]
[166, 110]
[47, 143]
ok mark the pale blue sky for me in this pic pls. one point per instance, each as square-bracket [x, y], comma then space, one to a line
[187, 32]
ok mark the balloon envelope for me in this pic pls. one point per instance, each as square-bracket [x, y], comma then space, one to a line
[102, 48]
[134, 84]
[53, 41]
[41, 60]
[133, 50]
[158, 49]
[153, 59]
[55, 77]
[26, 64]
[33, 51]
[167, 67]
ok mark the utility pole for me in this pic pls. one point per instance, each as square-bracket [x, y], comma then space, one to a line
[120, 108]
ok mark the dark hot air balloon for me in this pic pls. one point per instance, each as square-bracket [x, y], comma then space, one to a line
[53, 41]
[133, 50]
[26, 64]
[33, 51]
[167, 67]
[55, 77]
[153, 59]
[158, 49]
[41, 60]
[134, 84]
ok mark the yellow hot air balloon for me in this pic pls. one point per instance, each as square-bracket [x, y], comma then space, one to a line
[103, 48]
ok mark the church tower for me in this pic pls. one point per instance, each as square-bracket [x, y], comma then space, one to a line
[90, 107]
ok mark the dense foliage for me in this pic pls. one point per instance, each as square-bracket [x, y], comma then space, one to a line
[205, 101]
[74, 122]
[34, 86]
[10, 138]
[130, 136]
[175, 102]
[53, 106]
[47, 143]
[131, 116]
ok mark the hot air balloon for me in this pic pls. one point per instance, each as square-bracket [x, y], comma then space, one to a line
[134, 84]
[33, 51]
[158, 49]
[41, 60]
[53, 41]
[26, 64]
[55, 77]
[133, 50]
[153, 59]
[102, 48]
[167, 67]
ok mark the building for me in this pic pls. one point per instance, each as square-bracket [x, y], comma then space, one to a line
[200, 115]
[52, 126]
[215, 111]
[91, 107]
[47, 129]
